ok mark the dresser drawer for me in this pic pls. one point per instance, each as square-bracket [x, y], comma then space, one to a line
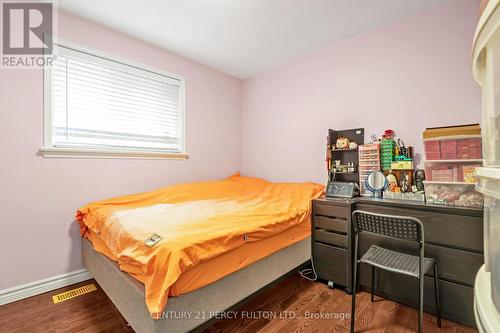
[330, 263]
[334, 224]
[331, 238]
[453, 265]
[460, 231]
[330, 210]
[456, 300]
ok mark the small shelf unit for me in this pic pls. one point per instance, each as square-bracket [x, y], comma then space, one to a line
[346, 156]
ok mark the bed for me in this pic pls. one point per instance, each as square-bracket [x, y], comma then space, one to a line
[220, 242]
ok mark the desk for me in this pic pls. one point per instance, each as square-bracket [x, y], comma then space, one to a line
[453, 237]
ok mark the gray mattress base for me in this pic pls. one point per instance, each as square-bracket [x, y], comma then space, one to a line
[188, 311]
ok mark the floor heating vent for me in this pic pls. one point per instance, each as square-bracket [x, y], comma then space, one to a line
[73, 293]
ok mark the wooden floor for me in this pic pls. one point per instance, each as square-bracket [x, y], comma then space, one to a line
[287, 307]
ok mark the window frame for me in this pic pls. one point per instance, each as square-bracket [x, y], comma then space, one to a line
[49, 150]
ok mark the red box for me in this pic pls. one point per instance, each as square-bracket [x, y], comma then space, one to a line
[432, 150]
[448, 149]
[447, 171]
[448, 144]
[449, 154]
[469, 148]
[453, 149]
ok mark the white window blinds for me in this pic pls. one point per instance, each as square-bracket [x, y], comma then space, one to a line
[98, 103]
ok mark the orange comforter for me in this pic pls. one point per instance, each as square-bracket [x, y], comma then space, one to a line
[197, 221]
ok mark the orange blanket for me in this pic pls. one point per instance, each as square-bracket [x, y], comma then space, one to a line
[197, 221]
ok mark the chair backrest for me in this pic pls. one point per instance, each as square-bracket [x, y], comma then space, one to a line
[400, 227]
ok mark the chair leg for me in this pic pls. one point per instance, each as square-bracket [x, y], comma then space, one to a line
[420, 303]
[436, 295]
[373, 284]
[355, 279]
[354, 288]
[357, 276]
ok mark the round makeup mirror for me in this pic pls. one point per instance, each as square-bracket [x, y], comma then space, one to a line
[376, 183]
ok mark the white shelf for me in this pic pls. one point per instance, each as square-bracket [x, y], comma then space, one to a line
[486, 172]
[447, 183]
[348, 149]
[489, 182]
[454, 161]
[454, 137]
[485, 312]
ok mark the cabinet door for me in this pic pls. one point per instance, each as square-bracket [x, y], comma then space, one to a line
[330, 263]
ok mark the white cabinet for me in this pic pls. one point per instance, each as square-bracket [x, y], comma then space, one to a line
[486, 68]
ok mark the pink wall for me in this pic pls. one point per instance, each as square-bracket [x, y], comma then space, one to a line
[38, 196]
[408, 75]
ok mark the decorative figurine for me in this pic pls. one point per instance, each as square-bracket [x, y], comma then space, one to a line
[392, 181]
[402, 151]
[342, 143]
[388, 134]
[409, 152]
[419, 179]
[405, 182]
[353, 145]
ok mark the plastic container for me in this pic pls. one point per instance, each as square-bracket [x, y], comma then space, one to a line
[489, 185]
[369, 168]
[486, 57]
[369, 160]
[404, 196]
[491, 102]
[402, 165]
[463, 171]
[387, 148]
[452, 194]
[454, 148]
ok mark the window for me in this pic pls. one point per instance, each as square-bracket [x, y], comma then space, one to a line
[97, 106]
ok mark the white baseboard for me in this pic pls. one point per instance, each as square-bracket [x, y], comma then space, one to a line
[42, 286]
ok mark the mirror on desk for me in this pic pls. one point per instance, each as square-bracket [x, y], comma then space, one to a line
[376, 183]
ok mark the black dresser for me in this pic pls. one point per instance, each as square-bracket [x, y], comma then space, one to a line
[331, 240]
[453, 237]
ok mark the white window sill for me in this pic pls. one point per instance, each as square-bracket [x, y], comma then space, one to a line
[57, 152]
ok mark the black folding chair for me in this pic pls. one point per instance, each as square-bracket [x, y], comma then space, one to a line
[398, 227]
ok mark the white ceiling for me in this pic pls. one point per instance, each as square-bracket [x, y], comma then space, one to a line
[244, 37]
